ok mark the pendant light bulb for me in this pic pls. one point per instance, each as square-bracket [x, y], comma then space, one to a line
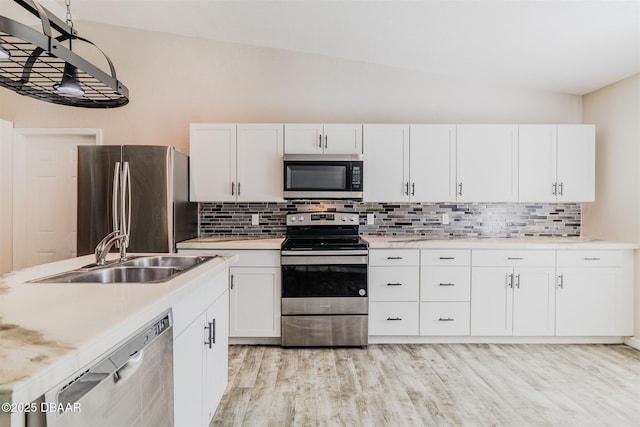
[4, 53]
[69, 85]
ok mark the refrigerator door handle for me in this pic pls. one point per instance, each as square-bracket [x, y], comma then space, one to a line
[126, 202]
[115, 214]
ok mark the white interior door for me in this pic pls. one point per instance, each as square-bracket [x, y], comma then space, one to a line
[6, 196]
[45, 174]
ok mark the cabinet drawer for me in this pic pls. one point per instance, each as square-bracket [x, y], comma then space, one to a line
[444, 318]
[445, 257]
[394, 283]
[570, 258]
[393, 318]
[389, 257]
[445, 283]
[514, 258]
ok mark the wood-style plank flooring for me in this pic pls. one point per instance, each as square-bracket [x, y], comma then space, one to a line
[432, 385]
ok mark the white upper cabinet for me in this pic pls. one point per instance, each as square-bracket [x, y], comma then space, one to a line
[556, 163]
[432, 163]
[323, 139]
[409, 163]
[487, 163]
[212, 162]
[232, 162]
[259, 168]
[576, 163]
[386, 163]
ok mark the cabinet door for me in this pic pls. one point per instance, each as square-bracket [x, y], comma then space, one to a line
[212, 162]
[255, 302]
[576, 163]
[487, 163]
[342, 139]
[260, 150]
[216, 356]
[188, 372]
[534, 301]
[491, 301]
[303, 139]
[586, 301]
[537, 163]
[386, 163]
[432, 158]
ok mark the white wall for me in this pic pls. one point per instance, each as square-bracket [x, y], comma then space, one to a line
[175, 80]
[615, 215]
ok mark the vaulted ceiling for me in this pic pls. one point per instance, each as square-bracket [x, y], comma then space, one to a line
[568, 46]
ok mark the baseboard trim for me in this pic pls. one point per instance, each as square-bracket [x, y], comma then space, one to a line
[633, 342]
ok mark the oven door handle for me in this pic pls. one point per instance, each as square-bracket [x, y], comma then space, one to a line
[325, 260]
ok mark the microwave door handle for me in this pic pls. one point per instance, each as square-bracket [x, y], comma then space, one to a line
[115, 192]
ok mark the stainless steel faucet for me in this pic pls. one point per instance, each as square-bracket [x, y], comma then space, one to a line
[105, 245]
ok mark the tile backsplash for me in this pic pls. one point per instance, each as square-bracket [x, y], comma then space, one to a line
[402, 219]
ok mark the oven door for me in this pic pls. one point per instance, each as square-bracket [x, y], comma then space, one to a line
[324, 284]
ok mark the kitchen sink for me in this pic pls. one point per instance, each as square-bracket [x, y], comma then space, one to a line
[145, 269]
[166, 261]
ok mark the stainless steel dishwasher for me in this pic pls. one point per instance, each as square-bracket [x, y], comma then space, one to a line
[131, 386]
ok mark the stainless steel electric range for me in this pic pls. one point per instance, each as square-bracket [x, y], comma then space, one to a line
[324, 281]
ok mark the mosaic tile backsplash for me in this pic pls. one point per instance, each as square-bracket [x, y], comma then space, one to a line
[402, 219]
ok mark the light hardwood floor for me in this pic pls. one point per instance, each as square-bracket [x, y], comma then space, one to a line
[433, 385]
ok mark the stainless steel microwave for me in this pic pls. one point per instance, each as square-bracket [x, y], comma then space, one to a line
[323, 176]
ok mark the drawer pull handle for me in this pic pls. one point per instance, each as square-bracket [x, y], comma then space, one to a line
[394, 284]
[394, 257]
[447, 257]
[591, 259]
[447, 284]
[394, 318]
[515, 258]
[445, 319]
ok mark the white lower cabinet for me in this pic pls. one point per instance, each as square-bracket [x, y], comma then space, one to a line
[512, 293]
[394, 286]
[255, 302]
[444, 318]
[393, 318]
[200, 352]
[255, 292]
[594, 293]
[445, 282]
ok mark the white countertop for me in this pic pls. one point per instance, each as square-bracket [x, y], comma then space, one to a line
[419, 242]
[239, 243]
[49, 331]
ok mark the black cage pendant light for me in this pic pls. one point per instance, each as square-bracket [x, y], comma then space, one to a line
[36, 64]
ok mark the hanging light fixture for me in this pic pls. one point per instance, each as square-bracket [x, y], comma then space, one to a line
[69, 85]
[4, 53]
[38, 65]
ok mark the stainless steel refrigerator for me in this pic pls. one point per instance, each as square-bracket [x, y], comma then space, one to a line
[140, 187]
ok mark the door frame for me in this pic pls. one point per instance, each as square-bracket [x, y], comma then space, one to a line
[20, 141]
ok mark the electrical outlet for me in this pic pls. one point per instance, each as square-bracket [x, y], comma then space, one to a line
[370, 219]
[445, 219]
[255, 219]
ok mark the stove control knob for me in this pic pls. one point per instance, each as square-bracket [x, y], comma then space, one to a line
[301, 219]
[292, 219]
[353, 218]
[344, 218]
[362, 292]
